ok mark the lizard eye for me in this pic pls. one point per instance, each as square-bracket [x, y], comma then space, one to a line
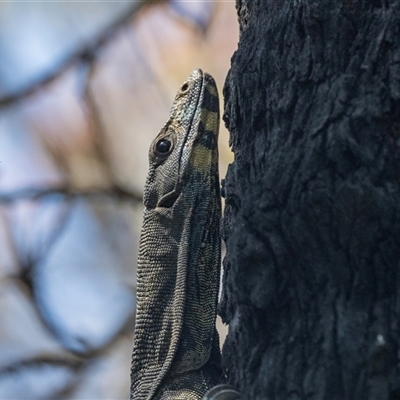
[163, 147]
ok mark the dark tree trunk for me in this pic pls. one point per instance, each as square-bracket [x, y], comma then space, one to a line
[312, 223]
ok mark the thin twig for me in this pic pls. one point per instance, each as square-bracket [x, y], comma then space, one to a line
[37, 193]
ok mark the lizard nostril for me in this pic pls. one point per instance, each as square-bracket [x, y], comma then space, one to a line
[184, 88]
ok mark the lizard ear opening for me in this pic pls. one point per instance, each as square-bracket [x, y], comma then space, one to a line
[168, 200]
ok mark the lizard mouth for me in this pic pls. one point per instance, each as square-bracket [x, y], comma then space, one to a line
[169, 199]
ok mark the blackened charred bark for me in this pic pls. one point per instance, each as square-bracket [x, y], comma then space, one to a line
[312, 223]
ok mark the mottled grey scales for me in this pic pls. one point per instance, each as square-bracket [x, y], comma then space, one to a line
[176, 351]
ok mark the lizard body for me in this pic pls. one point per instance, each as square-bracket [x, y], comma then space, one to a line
[176, 351]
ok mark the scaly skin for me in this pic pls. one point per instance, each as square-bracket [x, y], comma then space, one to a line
[176, 351]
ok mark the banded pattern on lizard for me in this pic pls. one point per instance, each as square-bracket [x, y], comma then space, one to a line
[176, 351]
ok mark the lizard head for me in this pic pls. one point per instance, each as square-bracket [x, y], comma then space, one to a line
[186, 149]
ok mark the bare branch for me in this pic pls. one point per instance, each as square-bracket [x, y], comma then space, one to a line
[86, 53]
[36, 193]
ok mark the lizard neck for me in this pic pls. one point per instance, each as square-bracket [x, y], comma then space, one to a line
[175, 334]
[199, 341]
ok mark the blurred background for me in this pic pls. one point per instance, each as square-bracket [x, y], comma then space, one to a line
[84, 88]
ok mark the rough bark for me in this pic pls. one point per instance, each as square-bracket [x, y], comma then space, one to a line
[312, 222]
